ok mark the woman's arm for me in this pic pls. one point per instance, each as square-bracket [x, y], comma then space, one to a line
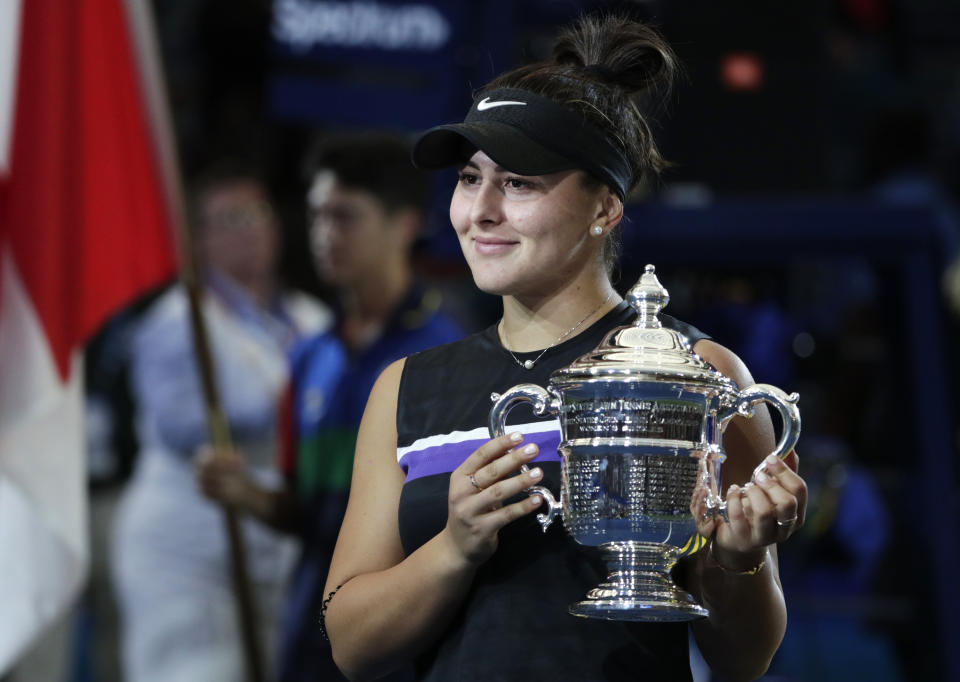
[388, 607]
[747, 610]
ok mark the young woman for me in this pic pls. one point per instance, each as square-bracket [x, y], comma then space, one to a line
[439, 561]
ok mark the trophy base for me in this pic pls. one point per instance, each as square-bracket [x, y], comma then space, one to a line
[639, 586]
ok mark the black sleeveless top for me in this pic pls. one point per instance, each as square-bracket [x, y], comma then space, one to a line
[513, 623]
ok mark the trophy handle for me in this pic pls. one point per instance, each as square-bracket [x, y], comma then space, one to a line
[543, 403]
[786, 404]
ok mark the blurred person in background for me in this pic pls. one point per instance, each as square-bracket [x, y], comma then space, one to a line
[170, 555]
[367, 206]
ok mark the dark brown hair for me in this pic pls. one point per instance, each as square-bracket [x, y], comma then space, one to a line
[611, 69]
[607, 68]
[375, 162]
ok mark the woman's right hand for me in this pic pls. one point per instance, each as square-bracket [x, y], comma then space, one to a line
[478, 489]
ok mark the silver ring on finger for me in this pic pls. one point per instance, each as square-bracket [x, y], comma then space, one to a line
[476, 485]
[788, 523]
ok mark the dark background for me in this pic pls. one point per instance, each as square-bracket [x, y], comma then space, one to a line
[807, 224]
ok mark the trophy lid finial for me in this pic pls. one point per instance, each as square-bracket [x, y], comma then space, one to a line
[646, 349]
[648, 298]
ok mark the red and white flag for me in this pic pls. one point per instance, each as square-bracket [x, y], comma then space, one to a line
[84, 228]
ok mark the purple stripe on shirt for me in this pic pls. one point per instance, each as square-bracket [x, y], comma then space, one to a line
[442, 459]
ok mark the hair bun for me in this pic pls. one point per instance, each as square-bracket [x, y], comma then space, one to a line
[617, 51]
[601, 73]
[611, 70]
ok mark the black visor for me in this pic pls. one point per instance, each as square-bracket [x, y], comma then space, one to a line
[526, 134]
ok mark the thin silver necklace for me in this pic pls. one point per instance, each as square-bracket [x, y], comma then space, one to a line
[529, 364]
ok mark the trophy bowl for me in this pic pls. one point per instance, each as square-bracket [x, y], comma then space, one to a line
[642, 419]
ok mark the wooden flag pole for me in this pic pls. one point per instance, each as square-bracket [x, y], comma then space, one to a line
[144, 43]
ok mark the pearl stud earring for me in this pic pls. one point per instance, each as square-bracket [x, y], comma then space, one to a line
[596, 230]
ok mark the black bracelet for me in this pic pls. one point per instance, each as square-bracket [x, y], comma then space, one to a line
[323, 613]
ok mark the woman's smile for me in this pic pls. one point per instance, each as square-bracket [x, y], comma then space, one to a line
[488, 245]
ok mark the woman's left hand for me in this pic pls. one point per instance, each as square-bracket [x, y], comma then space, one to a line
[761, 513]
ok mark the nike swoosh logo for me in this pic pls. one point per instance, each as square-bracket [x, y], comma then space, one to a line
[485, 104]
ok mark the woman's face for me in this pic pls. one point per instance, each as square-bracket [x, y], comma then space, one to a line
[525, 235]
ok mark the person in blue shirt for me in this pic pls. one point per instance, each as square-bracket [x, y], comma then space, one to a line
[366, 204]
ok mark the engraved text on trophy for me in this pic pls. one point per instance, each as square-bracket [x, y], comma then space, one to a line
[635, 418]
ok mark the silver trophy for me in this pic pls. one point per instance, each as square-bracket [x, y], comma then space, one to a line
[642, 420]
